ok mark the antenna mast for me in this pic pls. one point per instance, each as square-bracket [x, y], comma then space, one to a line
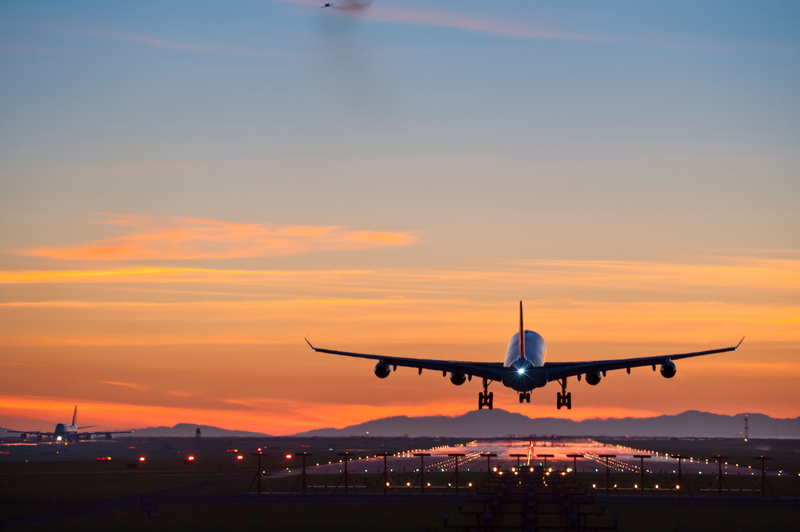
[745, 427]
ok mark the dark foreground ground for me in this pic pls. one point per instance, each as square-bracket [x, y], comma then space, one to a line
[68, 488]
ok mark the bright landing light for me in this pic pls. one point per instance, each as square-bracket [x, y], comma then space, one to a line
[521, 371]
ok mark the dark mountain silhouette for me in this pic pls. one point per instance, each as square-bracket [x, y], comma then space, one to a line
[188, 429]
[493, 423]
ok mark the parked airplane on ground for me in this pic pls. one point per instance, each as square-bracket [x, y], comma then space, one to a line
[67, 433]
[524, 368]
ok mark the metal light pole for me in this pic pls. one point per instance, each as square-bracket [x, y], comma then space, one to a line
[641, 458]
[303, 476]
[763, 474]
[385, 479]
[457, 477]
[422, 471]
[545, 456]
[259, 454]
[345, 476]
[680, 458]
[575, 462]
[518, 456]
[719, 460]
[488, 462]
[608, 471]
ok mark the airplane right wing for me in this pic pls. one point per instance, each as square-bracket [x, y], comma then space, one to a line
[560, 370]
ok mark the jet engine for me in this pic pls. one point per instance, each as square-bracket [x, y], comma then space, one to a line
[457, 378]
[382, 370]
[23, 436]
[593, 378]
[668, 369]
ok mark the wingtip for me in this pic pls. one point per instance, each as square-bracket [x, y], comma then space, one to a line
[309, 344]
[740, 343]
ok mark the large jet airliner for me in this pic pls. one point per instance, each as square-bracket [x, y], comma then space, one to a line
[64, 432]
[524, 368]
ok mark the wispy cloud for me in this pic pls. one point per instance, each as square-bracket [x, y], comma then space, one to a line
[466, 21]
[125, 384]
[195, 238]
[155, 42]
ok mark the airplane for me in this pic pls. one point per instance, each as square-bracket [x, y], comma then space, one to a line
[524, 368]
[328, 4]
[67, 433]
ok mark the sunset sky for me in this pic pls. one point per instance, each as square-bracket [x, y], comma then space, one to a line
[189, 188]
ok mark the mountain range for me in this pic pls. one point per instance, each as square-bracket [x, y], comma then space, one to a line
[498, 422]
[493, 423]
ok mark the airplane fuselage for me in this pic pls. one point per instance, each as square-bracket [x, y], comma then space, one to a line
[525, 374]
[63, 431]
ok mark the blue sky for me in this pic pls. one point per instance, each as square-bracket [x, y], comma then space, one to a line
[706, 88]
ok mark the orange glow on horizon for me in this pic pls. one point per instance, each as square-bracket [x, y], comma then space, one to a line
[109, 328]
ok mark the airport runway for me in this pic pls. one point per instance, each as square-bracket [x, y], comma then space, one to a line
[623, 462]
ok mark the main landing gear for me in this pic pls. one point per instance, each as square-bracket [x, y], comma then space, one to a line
[525, 397]
[563, 398]
[485, 398]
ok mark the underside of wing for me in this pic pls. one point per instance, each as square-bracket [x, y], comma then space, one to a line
[486, 370]
[561, 370]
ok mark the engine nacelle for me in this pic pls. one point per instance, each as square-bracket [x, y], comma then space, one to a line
[23, 436]
[593, 378]
[668, 369]
[382, 370]
[457, 378]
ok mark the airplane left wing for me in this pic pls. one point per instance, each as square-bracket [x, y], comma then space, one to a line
[560, 370]
[486, 370]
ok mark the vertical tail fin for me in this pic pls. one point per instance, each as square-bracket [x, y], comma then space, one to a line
[521, 335]
[75, 416]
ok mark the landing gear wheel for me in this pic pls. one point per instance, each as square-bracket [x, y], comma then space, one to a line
[521, 397]
[486, 398]
[558, 400]
[528, 397]
[568, 401]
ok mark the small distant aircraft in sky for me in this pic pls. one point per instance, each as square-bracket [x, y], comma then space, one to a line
[524, 368]
[67, 433]
[328, 4]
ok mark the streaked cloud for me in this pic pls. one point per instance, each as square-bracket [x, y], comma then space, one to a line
[155, 42]
[444, 19]
[466, 22]
[173, 238]
[125, 384]
[157, 275]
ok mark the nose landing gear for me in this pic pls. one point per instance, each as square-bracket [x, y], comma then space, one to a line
[525, 397]
[485, 398]
[563, 398]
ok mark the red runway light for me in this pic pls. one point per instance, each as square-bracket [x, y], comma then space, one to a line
[191, 458]
[141, 458]
[288, 456]
[240, 457]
